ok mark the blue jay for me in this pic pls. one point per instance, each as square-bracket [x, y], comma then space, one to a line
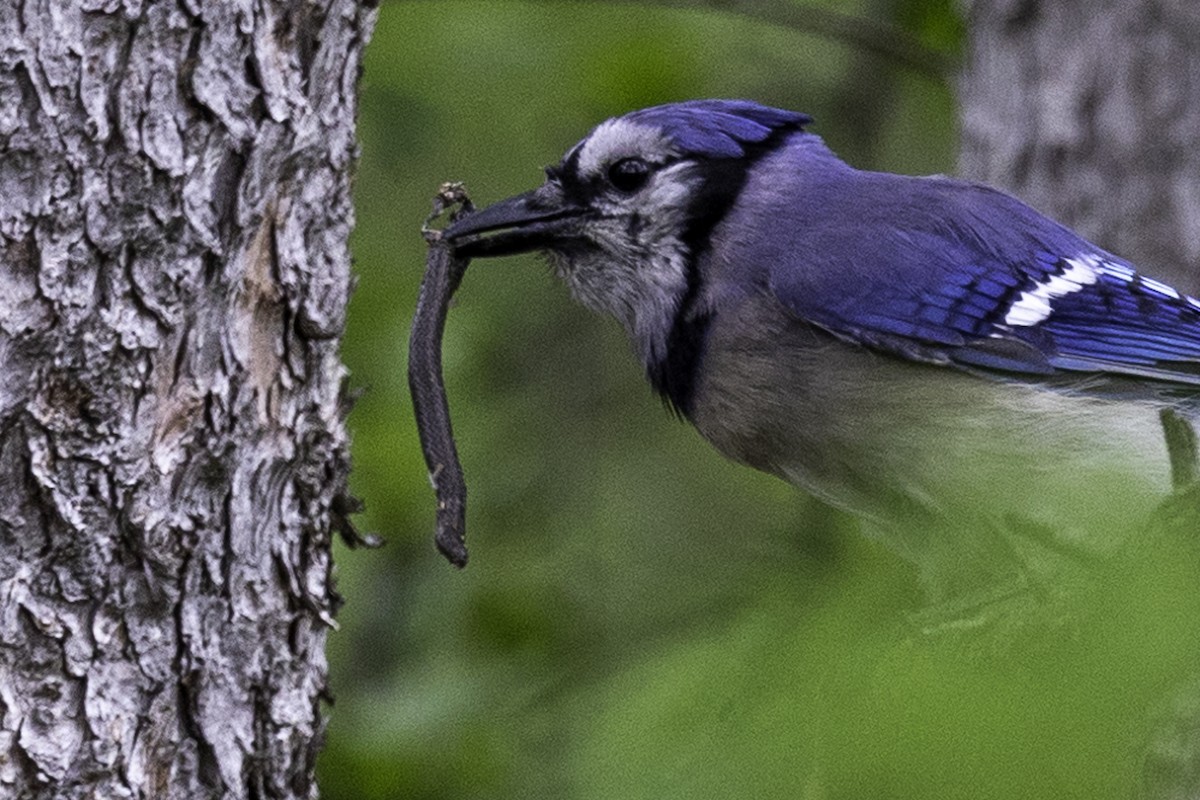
[929, 354]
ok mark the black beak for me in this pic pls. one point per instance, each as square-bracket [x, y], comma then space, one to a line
[529, 221]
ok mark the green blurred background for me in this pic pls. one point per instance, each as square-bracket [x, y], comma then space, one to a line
[642, 619]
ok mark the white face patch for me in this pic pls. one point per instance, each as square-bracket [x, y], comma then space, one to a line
[619, 138]
[1034, 305]
[636, 269]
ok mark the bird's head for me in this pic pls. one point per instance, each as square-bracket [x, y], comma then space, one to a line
[625, 214]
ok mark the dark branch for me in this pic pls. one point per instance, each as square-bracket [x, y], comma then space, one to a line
[1181, 447]
[443, 273]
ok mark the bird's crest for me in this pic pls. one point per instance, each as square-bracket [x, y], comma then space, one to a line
[718, 128]
[705, 128]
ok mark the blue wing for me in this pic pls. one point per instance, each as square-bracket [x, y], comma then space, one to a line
[950, 272]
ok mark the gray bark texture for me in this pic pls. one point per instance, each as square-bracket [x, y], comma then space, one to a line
[174, 214]
[1090, 110]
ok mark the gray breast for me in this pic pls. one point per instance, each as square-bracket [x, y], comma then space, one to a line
[924, 451]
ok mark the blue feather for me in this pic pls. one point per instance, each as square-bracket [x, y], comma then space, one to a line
[718, 128]
[943, 270]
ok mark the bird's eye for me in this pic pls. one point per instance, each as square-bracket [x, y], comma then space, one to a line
[629, 174]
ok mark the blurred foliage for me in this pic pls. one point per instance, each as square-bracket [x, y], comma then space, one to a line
[641, 618]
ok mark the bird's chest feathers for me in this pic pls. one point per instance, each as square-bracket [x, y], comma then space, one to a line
[637, 272]
[881, 437]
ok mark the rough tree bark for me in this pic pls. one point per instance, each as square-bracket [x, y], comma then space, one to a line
[174, 213]
[1091, 112]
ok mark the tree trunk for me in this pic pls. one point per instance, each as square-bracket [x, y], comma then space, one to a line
[174, 214]
[1091, 112]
